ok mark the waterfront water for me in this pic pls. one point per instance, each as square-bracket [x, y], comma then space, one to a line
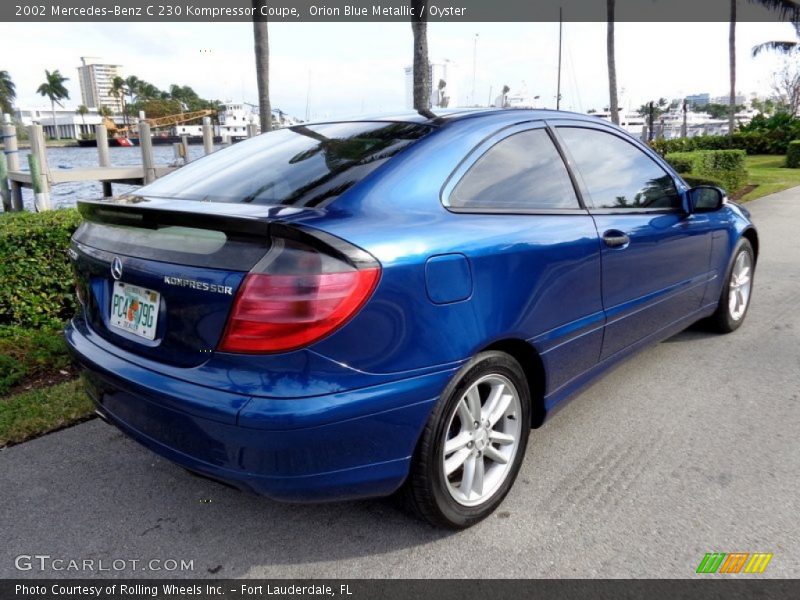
[66, 194]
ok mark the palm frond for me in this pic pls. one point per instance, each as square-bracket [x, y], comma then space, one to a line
[788, 10]
[782, 47]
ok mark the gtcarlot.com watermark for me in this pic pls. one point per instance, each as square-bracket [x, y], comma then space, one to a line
[47, 563]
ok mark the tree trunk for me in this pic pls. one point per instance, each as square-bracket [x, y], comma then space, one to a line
[613, 106]
[55, 125]
[261, 43]
[422, 77]
[732, 54]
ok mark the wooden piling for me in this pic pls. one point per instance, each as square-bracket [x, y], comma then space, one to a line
[11, 153]
[146, 144]
[208, 136]
[185, 148]
[39, 183]
[42, 178]
[101, 135]
[5, 191]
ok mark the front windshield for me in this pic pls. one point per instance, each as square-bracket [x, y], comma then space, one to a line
[304, 165]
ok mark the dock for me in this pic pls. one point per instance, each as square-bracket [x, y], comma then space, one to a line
[40, 177]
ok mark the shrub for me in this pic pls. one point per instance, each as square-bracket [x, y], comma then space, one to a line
[682, 162]
[793, 155]
[768, 141]
[725, 167]
[694, 181]
[36, 281]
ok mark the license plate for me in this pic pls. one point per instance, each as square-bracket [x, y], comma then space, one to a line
[135, 309]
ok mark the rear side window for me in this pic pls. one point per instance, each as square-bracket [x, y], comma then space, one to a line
[523, 172]
[304, 165]
[617, 174]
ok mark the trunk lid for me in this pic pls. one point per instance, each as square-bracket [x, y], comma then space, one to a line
[158, 278]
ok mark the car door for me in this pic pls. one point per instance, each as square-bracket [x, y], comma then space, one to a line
[654, 255]
[536, 257]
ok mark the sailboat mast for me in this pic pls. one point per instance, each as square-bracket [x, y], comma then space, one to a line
[560, 33]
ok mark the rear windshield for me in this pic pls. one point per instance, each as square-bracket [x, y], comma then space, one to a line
[305, 165]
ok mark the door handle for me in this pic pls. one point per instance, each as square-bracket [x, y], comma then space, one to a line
[613, 238]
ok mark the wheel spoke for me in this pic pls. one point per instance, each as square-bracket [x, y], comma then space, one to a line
[500, 409]
[474, 403]
[455, 461]
[457, 443]
[498, 437]
[494, 454]
[494, 397]
[468, 476]
[467, 422]
[477, 484]
[744, 276]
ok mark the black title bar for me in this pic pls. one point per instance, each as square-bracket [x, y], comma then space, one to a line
[386, 10]
[712, 587]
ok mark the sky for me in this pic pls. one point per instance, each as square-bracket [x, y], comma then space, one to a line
[339, 69]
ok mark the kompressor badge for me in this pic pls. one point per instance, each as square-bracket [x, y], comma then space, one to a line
[199, 285]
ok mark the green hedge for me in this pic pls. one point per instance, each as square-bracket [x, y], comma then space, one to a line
[694, 181]
[793, 155]
[36, 281]
[682, 162]
[773, 141]
[726, 166]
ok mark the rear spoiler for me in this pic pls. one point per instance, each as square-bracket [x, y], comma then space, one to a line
[152, 216]
[235, 220]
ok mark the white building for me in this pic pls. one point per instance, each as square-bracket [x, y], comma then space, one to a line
[442, 71]
[70, 123]
[236, 116]
[96, 79]
[741, 99]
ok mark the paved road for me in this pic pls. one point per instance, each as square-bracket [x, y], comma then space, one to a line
[690, 447]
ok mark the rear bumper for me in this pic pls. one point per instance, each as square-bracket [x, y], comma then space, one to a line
[333, 447]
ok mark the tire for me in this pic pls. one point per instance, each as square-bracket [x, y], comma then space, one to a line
[730, 313]
[464, 497]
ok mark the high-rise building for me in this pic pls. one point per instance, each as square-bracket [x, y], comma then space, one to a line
[96, 80]
[698, 100]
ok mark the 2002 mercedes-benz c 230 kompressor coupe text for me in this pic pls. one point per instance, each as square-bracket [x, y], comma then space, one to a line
[349, 309]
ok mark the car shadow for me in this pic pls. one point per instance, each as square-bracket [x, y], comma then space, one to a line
[112, 498]
[698, 331]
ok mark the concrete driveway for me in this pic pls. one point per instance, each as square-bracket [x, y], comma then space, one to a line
[690, 447]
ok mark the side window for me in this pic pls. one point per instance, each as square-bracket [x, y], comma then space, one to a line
[617, 173]
[523, 171]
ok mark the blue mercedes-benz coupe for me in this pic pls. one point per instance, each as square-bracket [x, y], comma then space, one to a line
[348, 309]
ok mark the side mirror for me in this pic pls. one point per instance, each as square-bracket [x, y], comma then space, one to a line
[705, 198]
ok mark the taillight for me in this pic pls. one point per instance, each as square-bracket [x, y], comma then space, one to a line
[295, 296]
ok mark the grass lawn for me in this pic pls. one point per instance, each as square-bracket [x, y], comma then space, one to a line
[38, 389]
[770, 175]
[35, 412]
[33, 357]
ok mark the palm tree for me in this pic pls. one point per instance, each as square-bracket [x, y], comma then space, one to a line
[612, 63]
[105, 112]
[782, 47]
[504, 93]
[422, 75]
[82, 110]
[118, 91]
[784, 8]
[8, 93]
[261, 47]
[54, 89]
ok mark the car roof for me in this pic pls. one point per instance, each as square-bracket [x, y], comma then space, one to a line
[439, 117]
